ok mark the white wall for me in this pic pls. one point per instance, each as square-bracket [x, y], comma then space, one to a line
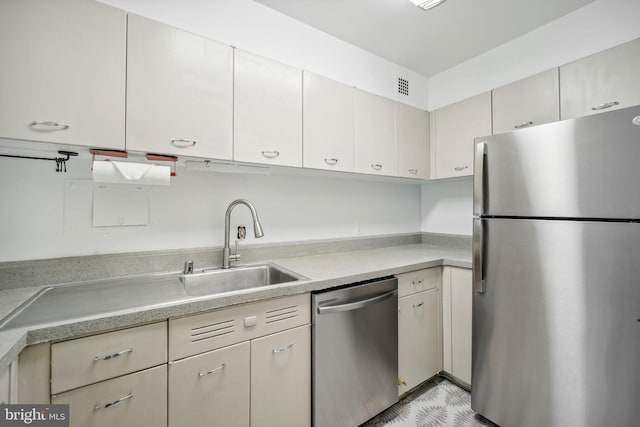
[593, 28]
[254, 27]
[45, 214]
[447, 207]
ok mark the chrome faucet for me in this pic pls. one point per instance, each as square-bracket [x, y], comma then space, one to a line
[257, 230]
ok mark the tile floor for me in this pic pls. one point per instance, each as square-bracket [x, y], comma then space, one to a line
[438, 403]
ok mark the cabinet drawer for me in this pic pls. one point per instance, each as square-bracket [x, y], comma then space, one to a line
[216, 382]
[417, 281]
[88, 360]
[141, 401]
[208, 331]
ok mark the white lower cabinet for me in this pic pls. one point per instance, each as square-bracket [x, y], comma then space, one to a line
[211, 388]
[457, 296]
[417, 339]
[419, 327]
[9, 384]
[252, 367]
[138, 399]
[281, 379]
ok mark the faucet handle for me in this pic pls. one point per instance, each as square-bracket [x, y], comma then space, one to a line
[188, 267]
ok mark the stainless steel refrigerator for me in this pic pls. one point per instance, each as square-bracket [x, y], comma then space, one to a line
[556, 258]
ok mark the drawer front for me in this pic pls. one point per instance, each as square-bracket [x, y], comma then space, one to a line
[138, 399]
[418, 281]
[208, 331]
[88, 360]
[213, 383]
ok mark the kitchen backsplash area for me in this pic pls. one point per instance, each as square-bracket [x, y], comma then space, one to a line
[51, 215]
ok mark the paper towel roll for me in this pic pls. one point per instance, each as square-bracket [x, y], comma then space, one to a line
[130, 173]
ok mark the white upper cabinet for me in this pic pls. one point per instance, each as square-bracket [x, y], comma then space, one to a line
[602, 82]
[453, 129]
[327, 123]
[62, 77]
[412, 142]
[267, 111]
[374, 134]
[528, 102]
[179, 92]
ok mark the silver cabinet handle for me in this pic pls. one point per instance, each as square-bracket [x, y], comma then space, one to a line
[183, 143]
[46, 125]
[270, 154]
[356, 305]
[331, 162]
[281, 349]
[605, 105]
[478, 178]
[420, 304]
[112, 356]
[478, 247]
[213, 371]
[461, 168]
[114, 403]
[417, 282]
[523, 125]
[376, 167]
[413, 171]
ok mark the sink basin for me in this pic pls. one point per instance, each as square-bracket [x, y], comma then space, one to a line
[235, 279]
[70, 302]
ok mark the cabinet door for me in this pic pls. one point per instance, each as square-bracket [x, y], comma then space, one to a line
[267, 111]
[211, 389]
[412, 142]
[528, 102]
[138, 399]
[281, 379]
[456, 313]
[602, 82]
[327, 124]
[9, 384]
[417, 339]
[453, 129]
[179, 91]
[374, 134]
[62, 77]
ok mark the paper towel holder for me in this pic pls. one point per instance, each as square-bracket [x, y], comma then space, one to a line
[149, 156]
[61, 162]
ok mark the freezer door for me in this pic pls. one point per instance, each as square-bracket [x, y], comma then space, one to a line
[583, 168]
[556, 330]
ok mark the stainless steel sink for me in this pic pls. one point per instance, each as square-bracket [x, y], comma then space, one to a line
[234, 279]
[82, 301]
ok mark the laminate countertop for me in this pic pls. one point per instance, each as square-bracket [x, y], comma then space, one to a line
[321, 272]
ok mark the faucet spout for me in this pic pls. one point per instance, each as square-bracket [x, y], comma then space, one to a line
[257, 229]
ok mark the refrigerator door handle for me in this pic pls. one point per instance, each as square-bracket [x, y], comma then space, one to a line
[478, 267]
[478, 177]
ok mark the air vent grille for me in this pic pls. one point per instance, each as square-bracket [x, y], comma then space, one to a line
[403, 86]
[214, 330]
[279, 314]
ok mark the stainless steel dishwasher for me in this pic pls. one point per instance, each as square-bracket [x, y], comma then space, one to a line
[355, 352]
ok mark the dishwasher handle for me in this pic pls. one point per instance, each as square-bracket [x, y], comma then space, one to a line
[356, 305]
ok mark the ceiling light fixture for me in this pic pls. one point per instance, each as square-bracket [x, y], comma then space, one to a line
[427, 4]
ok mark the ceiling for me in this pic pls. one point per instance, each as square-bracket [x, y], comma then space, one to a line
[426, 42]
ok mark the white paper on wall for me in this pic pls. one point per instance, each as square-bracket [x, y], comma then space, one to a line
[117, 205]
